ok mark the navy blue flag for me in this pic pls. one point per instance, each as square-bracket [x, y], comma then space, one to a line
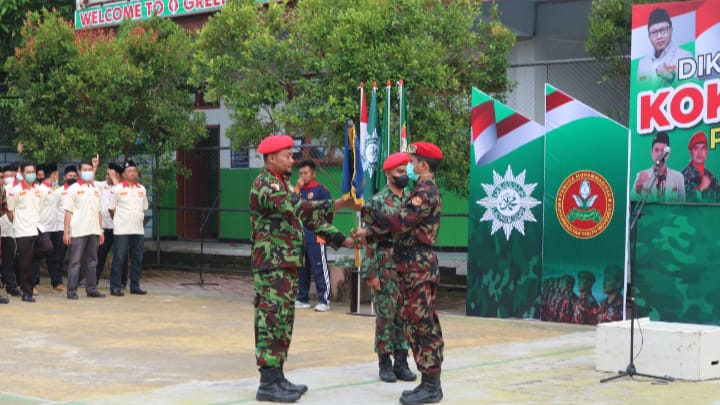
[352, 178]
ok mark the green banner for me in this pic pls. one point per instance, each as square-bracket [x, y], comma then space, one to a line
[675, 107]
[584, 213]
[505, 216]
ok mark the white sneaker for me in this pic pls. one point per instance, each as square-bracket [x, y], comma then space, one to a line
[320, 307]
[302, 305]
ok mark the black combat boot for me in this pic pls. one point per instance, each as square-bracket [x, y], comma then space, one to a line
[428, 392]
[288, 386]
[270, 388]
[386, 368]
[401, 369]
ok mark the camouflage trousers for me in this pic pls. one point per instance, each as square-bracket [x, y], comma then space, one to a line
[389, 336]
[420, 321]
[275, 292]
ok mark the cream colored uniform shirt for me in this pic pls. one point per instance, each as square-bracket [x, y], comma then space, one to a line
[26, 203]
[129, 203]
[58, 199]
[47, 215]
[105, 194]
[83, 201]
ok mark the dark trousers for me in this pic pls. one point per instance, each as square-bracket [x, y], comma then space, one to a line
[103, 251]
[315, 265]
[9, 251]
[56, 259]
[83, 250]
[28, 248]
[125, 245]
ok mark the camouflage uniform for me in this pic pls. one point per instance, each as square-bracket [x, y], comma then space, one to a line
[610, 311]
[417, 222]
[693, 177]
[586, 309]
[277, 216]
[389, 335]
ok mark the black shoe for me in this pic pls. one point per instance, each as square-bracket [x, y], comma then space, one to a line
[428, 392]
[270, 388]
[116, 292]
[95, 294]
[72, 296]
[4, 300]
[14, 292]
[137, 290]
[386, 368]
[28, 298]
[288, 386]
[401, 368]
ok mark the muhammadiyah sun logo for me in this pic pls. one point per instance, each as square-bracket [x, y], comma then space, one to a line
[584, 204]
[508, 202]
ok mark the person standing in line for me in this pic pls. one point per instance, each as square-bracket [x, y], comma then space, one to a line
[112, 178]
[127, 206]
[315, 255]
[83, 231]
[56, 259]
[48, 222]
[378, 270]
[416, 224]
[277, 217]
[7, 237]
[25, 202]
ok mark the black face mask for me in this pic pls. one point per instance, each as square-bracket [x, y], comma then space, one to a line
[401, 181]
[40, 180]
[70, 182]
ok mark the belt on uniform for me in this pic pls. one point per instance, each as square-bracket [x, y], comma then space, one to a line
[409, 253]
[384, 245]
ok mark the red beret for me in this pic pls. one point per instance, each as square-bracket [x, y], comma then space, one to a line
[274, 143]
[426, 150]
[395, 160]
[699, 137]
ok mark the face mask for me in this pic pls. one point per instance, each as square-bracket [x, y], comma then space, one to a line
[40, 179]
[55, 183]
[8, 180]
[70, 182]
[401, 181]
[87, 175]
[411, 172]
[30, 178]
[18, 176]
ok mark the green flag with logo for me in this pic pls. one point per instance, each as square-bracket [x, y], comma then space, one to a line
[584, 251]
[505, 212]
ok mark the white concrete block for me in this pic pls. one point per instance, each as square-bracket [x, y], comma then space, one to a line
[679, 350]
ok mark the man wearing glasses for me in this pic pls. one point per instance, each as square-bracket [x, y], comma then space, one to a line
[660, 67]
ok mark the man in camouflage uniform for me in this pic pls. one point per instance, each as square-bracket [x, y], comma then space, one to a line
[417, 224]
[586, 306]
[277, 216]
[701, 185]
[380, 275]
[566, 304]
[611, 308]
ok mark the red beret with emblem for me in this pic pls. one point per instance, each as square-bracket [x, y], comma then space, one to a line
[426, 150]
[395, 160]
[274, 143]
[699, 137]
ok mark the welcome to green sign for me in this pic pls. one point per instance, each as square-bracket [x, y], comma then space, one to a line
[114, 14]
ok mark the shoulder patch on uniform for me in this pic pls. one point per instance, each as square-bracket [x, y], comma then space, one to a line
[416, 201]
[311, 195]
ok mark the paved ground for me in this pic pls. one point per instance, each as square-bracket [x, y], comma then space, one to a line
[192, 345]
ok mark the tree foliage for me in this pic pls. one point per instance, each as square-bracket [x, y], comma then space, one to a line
[13, 14]
[608, 38]
[297, 69]
[96, 92]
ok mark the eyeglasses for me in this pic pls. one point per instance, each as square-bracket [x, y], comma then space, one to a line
[659, 31]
